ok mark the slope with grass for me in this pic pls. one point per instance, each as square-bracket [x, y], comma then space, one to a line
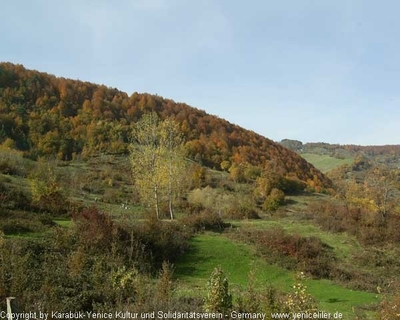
[237, 260]
[325, 163]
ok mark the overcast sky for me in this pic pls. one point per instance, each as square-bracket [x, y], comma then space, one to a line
[313, 71]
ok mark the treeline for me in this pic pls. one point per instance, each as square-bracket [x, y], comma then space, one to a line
[367, 150]
[388, 152]
[43, 115]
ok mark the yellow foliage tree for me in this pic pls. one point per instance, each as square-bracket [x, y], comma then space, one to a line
[43, 180]
[157, 161]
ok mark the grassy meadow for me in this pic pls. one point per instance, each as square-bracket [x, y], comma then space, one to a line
[325, 163]
[209, 250]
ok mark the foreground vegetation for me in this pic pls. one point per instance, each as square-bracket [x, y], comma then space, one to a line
[72, 244]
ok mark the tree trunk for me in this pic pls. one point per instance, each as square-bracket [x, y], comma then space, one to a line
[156, 202]
[170, 193]
[171, 211]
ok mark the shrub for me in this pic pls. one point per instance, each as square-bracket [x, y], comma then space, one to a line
[13, 198]
[164, 286]
[206, 220]
[242, 212]
[390, 308]
[15, 222]
[202, 198]
[292, 185]
[292, 251]
[300, 300]
[250, 300]
[12, 162]
[47, 193]
[113, 196]
[16, 227]
[367, 226]
[274, 200]
[95, 228]
[94, 265]
[218, 298]
[226, 204]
[55, 204]
[159, 241]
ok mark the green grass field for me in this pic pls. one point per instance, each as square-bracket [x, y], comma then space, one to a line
[325, 163]
[66, 223]
[237, 260]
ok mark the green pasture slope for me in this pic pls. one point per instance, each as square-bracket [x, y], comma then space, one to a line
[343, 245]
[325, 163]
[237, 260]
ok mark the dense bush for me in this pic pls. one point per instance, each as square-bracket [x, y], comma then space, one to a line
[205, 220]
[242, 211]
[12, 162]
[17, 227]
[114, 196]
[161, 240]
[12, 198]
[55, 204]
[292, 251]
[18, 222]
[95, 228]
[226, 204]
[147, 244]
[369, 227]
[274, 200]
[94, 265]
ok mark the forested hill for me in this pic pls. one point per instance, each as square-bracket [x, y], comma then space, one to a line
[44, 115]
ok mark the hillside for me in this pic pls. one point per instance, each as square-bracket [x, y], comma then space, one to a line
[43, 115]
[326, 157]
[326, 163]
[81, 236]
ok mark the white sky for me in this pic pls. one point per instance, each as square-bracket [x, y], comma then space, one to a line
[300, 69]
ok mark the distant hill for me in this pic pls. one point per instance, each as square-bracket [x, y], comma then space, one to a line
[44, 115]
[327, 156]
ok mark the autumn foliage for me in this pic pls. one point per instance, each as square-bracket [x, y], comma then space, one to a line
[43, 115]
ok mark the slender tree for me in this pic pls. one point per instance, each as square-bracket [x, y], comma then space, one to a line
[157, 161]
[172, 140]
[146, 158]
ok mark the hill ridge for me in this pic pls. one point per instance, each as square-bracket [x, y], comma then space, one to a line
[44, 115]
